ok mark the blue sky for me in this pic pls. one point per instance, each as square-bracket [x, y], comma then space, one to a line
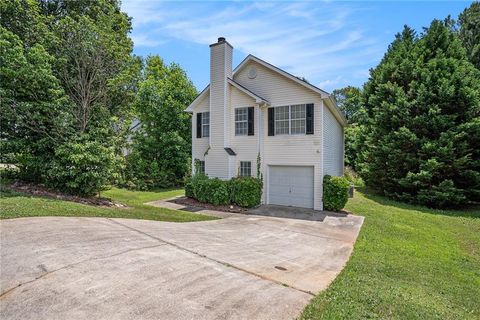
[331, 44]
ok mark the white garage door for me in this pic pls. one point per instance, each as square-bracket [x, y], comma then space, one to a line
[291, 186]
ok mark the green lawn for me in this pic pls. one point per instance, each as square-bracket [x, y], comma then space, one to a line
[15, 205]
[408, 263]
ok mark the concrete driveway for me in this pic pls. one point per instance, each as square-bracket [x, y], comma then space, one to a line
[241, 267]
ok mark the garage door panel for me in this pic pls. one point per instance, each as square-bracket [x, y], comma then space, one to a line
[291, 186]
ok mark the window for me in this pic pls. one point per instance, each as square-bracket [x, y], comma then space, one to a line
[282, 120]
[297, 119]
[205, 124]
[290, 119]
[241, 121]
[245, 168]
[201, 167]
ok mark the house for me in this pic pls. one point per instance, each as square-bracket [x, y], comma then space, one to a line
[260, 115]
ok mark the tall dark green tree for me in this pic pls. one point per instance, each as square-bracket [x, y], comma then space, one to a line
[469, 31]
[423, 102]
[161, 147]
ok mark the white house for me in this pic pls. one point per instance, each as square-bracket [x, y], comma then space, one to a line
[260, 112]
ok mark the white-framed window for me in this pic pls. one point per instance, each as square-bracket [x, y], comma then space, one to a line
[282, 119]
[241, 121]
[245, 168]
[298, 119]
[206, 124]
[201, 167]
[290, 119]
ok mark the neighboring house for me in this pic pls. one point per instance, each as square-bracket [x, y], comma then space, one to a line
[258, 111]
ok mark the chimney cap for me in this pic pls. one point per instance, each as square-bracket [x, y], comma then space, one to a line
[220, 41]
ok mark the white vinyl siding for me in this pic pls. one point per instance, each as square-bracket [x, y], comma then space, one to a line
[241, 121]
[199, 146]
[206, 124]
[332, 144]
[285, 150]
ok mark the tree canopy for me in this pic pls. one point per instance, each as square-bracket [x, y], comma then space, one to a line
[423, 106]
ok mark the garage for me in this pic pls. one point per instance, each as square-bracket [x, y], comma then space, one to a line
[291, 186]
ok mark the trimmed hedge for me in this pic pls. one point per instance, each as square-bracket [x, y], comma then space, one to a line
[335, 193]
[242, 191]
[246, 191]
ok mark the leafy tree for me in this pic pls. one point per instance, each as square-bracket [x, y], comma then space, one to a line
[349, 100]
[34, 117]
[423, 102]
[68, 75]
[469, 22]
[161, 147]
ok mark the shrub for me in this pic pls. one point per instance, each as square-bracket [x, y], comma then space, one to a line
[192, 185]
[243, 191]
[335, 192]
[246, 191]
[214, 191]
[82, 167]
[189, 190]
[353, 177]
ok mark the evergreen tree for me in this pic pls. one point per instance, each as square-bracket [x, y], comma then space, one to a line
[423, 102]
[469, 22]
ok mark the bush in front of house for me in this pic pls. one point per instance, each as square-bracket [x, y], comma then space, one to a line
[246, 191]
[214, 191]
[335, 192]
[242, 191]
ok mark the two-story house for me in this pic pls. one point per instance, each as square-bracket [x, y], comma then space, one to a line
[259, 116]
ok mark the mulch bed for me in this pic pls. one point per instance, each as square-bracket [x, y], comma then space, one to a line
[42, 191]
[190, 202]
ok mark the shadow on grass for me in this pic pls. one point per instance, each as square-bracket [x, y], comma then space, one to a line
[472, 211]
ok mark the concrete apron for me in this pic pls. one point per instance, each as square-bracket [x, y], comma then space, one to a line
[234, 268]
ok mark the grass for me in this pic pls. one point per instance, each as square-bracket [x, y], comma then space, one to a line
[16, 205]
[409, 262]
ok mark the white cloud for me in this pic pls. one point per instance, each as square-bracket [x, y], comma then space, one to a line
[310, 39]
[146, 41]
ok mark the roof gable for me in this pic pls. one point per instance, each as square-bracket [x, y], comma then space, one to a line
[329, 100]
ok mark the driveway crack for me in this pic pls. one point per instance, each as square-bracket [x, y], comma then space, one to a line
[209, 258]
[75, 264]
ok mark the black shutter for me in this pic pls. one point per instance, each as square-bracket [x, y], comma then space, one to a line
[251, 121]
[199, 125]
[309, 125]
[271, 121]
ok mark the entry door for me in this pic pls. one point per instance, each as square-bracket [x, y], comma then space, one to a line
[291, 186]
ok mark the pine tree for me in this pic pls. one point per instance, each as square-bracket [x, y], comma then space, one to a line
[469, 22]
[423, 102]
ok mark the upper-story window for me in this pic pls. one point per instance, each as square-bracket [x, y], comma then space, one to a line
[293, 119]
[241, 121]
[297, 119]
[282, 120]
[244, 121]
[203, 124]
